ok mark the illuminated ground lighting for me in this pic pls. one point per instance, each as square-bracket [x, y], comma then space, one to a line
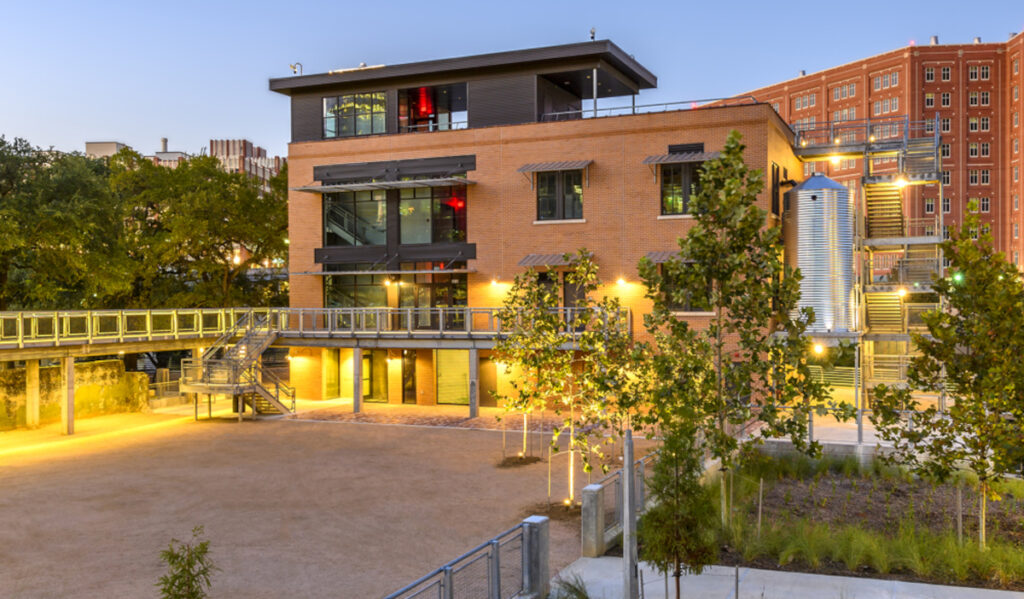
[494, 282]
[819, 349]
[567, 501]
[621, 281]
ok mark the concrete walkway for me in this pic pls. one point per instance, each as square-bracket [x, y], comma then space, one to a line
[603, 578]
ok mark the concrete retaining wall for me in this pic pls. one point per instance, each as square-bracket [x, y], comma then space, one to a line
[101, 387]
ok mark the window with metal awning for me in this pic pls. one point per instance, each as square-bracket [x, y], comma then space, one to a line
[677, 158]
[528, 170]
[375, 185]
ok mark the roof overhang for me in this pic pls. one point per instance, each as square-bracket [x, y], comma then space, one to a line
[374, 185]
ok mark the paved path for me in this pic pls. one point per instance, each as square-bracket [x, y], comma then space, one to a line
[603, 577]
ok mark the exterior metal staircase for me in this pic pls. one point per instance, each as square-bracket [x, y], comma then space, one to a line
[884, 312]
[920, 159]
[233, 368]
[883, 211]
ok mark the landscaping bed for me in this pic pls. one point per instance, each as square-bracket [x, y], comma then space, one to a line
[829, 517]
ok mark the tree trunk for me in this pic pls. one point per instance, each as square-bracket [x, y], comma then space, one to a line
[678, 574]
[983, 504]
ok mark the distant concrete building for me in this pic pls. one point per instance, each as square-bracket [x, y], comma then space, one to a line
[103, 149]
[165, 158]
[242, 156]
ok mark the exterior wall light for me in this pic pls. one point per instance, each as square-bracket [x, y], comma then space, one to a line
[494, 282]
[902, 292]
[621, 281]
[901, 182]
[835, 160]
[819, 349]
[387, 282]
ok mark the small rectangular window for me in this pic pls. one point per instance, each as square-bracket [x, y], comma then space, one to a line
[986, 204]
[929, 74]
[985, 123]
[560, 195]
[929, 205]
[972, 177]
[972, 150]
[985, 149]
[1016, 230]
[945, 99]
[878, 83]
[985, 178]
[929, 100]
[835, 94]
[895, 104]
[972, 99]
[885, 80]
[945, 232]
[853, 89]
[677, 182]
[984, 72]
[945, 181]
[895, 79]
[972, 73]
[945, 73]
[972, 124]
[946, 150]
[984, 98]
[946, 125]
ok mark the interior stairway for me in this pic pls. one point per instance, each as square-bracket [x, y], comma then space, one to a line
[884, 312]
[884, 211]
[233, 367]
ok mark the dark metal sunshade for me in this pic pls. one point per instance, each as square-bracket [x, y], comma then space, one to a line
[544, 260]
[564, 165]
[662, 257]
[438, 182]
[681, 158]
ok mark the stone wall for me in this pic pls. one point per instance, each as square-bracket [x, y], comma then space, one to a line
[101, 387]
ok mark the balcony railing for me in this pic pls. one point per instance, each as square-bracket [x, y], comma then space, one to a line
[866, 131]
[895, 269]
[61, 328]
[583, 113]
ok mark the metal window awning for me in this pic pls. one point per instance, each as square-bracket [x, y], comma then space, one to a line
[545, 260]
[565, 165]
[324, 273]
[662, 257]
[438, 182]
[681, 158]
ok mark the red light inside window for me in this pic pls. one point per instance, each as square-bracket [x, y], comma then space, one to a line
[456, 203]
[425, 101]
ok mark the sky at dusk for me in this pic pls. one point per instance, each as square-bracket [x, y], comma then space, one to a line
[193, 71]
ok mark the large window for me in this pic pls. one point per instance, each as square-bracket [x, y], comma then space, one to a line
[560, 195]
[680, 300]
[354, 114]
[677, 184]
[354, 290]
[355, 218]
[432, 215]
[432, 108]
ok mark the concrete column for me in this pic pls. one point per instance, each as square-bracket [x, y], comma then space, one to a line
[474, 383]
[357, 379]
[537, 570]
[67, 404]
[592, 521]
[32, 393]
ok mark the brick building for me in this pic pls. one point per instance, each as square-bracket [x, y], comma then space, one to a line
[243, 156]
[974, 89]
[430, 184]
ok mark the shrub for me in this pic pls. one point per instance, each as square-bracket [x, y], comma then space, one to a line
[189, 568]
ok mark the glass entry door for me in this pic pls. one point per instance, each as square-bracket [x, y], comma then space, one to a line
[409, 376]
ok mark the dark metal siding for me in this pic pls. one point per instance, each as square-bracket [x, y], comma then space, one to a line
[307, 114]
[392, 170]
[503, 101]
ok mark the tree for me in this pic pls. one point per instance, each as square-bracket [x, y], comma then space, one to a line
[571, 360]
[750, 361]
[198, 235]
[676, 533]
[60, 242]
[189, 568]
[972, 353]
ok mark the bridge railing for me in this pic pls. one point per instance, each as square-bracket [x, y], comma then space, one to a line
[48, 329]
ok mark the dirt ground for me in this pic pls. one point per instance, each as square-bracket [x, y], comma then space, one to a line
[292, 508]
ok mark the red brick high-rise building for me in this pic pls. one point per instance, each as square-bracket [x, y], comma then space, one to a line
[974, 89]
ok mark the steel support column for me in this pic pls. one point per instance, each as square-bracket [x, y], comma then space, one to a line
[357, 379]
[32, 393]
[67, 404]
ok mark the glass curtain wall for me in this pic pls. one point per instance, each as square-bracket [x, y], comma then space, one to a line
[432, 215]
[355, 114]
[354, 290]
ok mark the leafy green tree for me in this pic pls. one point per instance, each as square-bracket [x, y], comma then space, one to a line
[677, 533]
[189, 568]
[972, 353]
[570, 360]
[60, 242]
[750, 361]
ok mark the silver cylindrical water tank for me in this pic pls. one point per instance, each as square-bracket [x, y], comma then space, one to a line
[818, 232]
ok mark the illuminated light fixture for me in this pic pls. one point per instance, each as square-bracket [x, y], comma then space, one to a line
[237, 259]
[803, 143]
[835, 159]
[288, 357]
[901, 182]
[837, 141]
[958, 277]
[494, 282]
[621, 281]
[567, 501]
[871, 138]
[287, 241]
[819, 348]
[902, 292]
[387, 282]
[120, 353]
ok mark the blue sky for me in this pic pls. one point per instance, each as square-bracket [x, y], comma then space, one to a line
[191, 71]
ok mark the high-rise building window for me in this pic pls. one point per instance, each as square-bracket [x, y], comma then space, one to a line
[878, 83]
[972, 205]
[1016, 92]
[945, 99]
[929, 126]
[1016, 230]
[1016, 174]
[972, 99]
[974, 232]
[972, 177]
[946, 150]
[972, 123]
[945, 73]
[985, 176]
[1016, 145]
[835, 93]
[945, 181]
[895, 104]
[972, 73]
[354, 114]
[984, 98]
[984, 72]
[929, 100]
[945, 232]
[985, 149]
[560, 195]
[1016, 202]
[972, 150]
[929, 74]
[929, 205]
[947, 125]
[986, 204]
[985, 123]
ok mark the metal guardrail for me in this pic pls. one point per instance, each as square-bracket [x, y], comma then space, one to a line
[896, 269]
[572, 115]
[451, 126]
[58, 328]
[510, 565]
[866, 131]
[602, 507]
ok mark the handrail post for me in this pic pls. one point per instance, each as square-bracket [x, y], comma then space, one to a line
[447, 592]
[494, 574]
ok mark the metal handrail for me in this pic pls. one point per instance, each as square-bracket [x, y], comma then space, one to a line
[451, 126]
[869, 130]
[645, 108]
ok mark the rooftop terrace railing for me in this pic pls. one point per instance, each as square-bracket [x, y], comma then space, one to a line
[572, 115]
[62, 328]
